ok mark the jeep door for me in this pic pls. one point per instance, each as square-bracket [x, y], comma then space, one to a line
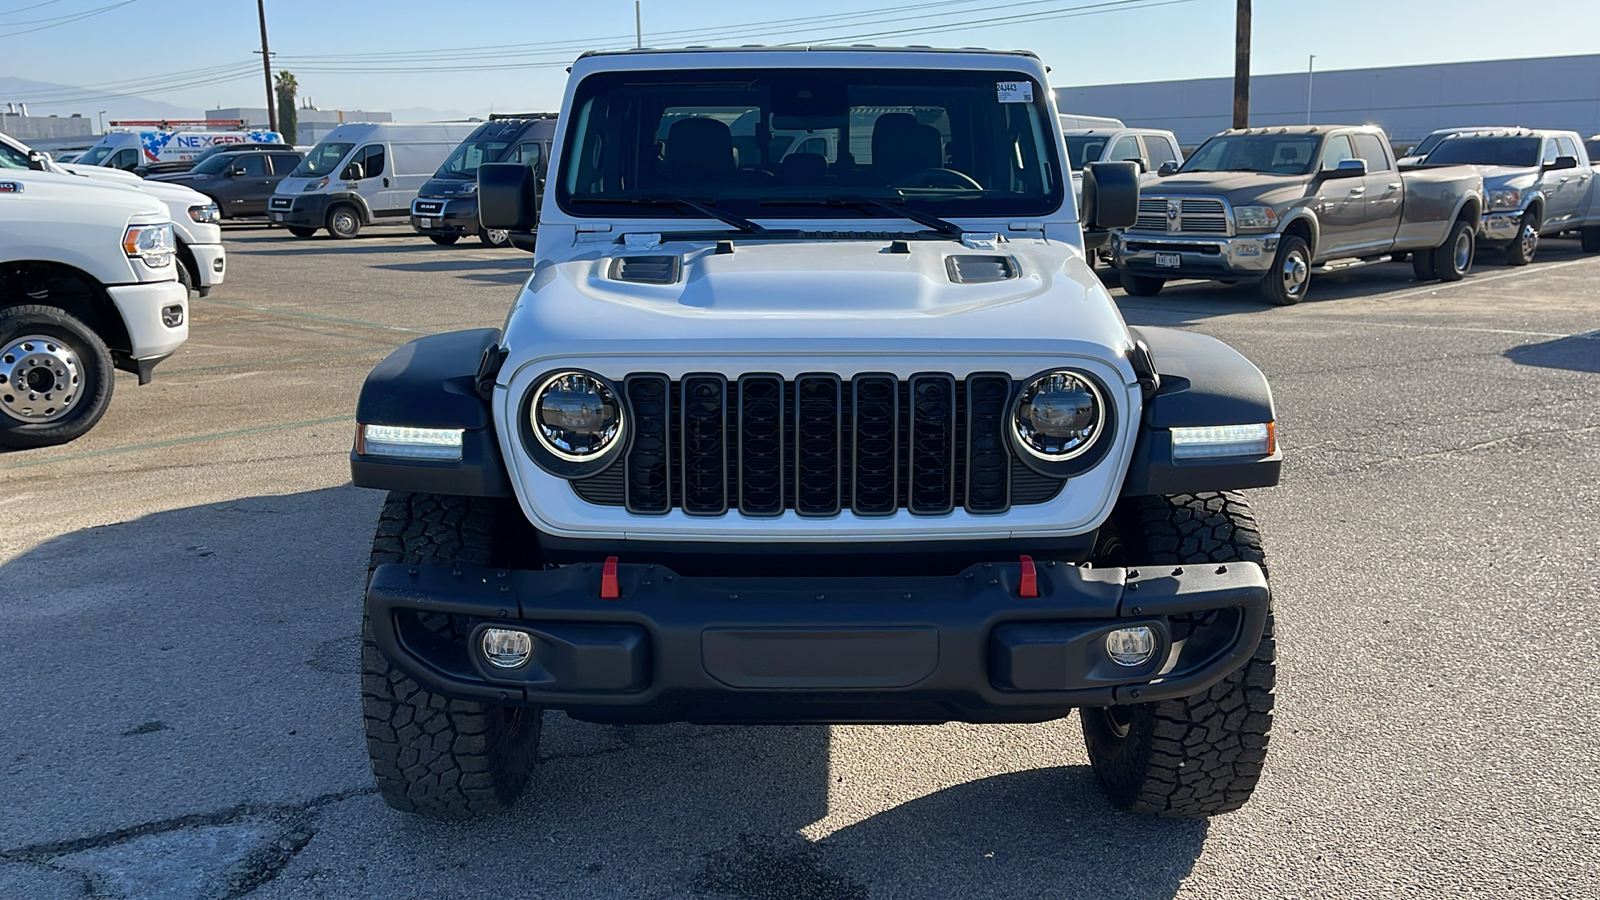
[1341, 202]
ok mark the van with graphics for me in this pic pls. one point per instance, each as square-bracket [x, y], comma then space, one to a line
[136, 151]
[446, 208]
[363, 173]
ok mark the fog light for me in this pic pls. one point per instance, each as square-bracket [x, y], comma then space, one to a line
[172, 316]
[507, 648]
[1131, 647]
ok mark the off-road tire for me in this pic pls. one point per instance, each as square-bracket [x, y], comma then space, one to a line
[1590, 239]
[1448, 264]
[1276, 287]
[344, 221]
[430, 754]
[95, 376]
[301, 231]
[444, 240]
[1522, 248]
[1199, 755]
[1140, 285]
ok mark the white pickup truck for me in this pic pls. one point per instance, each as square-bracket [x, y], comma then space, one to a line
[87, 285]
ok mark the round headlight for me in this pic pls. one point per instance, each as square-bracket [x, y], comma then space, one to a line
[1059, 416]
[576, 416]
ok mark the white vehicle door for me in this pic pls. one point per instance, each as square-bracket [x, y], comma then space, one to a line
[367, 175]
[1565, 189]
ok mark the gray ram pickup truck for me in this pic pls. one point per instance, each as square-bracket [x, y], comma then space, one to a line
[1277, 205]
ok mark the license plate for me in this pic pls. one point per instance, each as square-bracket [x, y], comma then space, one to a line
[1168, 260]
[277, 217]
[425, 223]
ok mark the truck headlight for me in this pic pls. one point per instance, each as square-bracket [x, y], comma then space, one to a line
[1255, 218]
[465, 190]
[1058, 416]
[1505, 199]
[317, 185]
[576, 417]
[1215, 441]
[151, 243]
[207, 214]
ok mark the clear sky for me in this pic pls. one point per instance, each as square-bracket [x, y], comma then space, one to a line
[510, 55]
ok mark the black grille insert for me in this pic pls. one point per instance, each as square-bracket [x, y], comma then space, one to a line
[933, 445]
[875, 455]
[705, 445]
[818, 444]
[988, 459]
[761, 445]
[649, 477]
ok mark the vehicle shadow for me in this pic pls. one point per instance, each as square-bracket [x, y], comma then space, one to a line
[213, 667]
[513, 270]
[1580, 353]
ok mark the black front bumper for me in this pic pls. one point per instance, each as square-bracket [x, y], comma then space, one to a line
[304, 210]
[455, 216]
[964, 647]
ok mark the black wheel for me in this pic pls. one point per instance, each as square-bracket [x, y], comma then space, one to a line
[301, 231]
[55, 377]
[1199, 755]
[432, 755]
[493, 237]
[1422, 265]
[344, 221]
[185, 277]
[1521, 249]
[1140, 285]
[1286, 284]
[1590, 238]
[1452, 260]
[444, 240]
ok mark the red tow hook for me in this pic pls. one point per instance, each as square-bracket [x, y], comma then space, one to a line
[609, 589]
[1029, 587]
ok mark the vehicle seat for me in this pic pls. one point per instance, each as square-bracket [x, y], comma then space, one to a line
[902, 146]
[1288, 156]
[700, 151]
[803, 168]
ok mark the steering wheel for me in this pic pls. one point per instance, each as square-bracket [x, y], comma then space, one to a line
[937, 177]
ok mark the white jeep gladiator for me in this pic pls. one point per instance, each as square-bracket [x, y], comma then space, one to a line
[846, 436]
[87, 285]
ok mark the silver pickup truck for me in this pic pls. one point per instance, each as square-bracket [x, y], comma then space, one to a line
[1277, 205]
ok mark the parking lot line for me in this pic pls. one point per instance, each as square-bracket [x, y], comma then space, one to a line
[174, 442]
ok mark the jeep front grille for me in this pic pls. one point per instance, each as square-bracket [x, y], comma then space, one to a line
[818, 445]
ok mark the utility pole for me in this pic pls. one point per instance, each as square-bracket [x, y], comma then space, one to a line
[638, 27]
[266, 68]
[1241, 66]
[1311, 71]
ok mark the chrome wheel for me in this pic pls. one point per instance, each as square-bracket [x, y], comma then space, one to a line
[1530, 240]
[1296, 271]
[1462, 254]
[39, 379]
[497, 237]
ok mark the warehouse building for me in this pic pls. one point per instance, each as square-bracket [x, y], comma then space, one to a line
[1408, 101]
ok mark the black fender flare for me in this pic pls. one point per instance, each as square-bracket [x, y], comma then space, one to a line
[1202, 382]
[352, 198]
[432, 382]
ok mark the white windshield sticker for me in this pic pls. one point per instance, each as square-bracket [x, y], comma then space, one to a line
[1015, 91]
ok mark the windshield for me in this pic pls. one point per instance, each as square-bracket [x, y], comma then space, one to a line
[95, 155]
[465, 160]
[1084, 148]
[322, 160]
[1486, 151]
[11, 157]
[1430, 142]
[1277, 154]
[212, 165]
[948, 143]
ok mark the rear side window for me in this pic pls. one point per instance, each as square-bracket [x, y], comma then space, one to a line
[1159, 151]
[284, 163]
[125, 159]
[530, 154]
[1369, 148]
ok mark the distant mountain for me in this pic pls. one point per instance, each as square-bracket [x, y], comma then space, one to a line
[46, 98]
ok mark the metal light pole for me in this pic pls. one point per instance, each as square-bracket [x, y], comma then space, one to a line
[102, 121]
[1311, 71]
[638, 27]
[1241, 66]
[266, 67]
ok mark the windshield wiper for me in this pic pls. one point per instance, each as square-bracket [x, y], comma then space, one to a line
[921, 218]
[727, 218]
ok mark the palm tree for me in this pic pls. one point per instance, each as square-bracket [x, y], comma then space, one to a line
[288, 118]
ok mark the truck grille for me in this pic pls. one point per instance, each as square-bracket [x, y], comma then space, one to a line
[427, 207]
[282, 204]
[1195, 215]
[818, 445]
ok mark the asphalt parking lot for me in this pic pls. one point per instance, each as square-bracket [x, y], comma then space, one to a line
[180, 597]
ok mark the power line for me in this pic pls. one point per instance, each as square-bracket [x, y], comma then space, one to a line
[65, 20]
[22, 9]
[153, 82]
[1046, 15]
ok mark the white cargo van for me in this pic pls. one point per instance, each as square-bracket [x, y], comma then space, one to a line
[132, 151]
[363, 173]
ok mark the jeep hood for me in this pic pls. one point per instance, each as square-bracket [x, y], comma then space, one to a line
[817, 297]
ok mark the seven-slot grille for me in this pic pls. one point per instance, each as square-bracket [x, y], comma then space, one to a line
[427, 207]
[1194, 215]
[818, 445]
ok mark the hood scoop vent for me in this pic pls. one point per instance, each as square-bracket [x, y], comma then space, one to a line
[970, 269]
[646, 269]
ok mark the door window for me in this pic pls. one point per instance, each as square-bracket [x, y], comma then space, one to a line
[1126, 148]
[1567, 146]
[284, 163]
[1336, 151]
[127, 159]
[1369, 148]
[254, 165]
[371, 160]
[1159, 151]
[1550, 153]
[530, 154]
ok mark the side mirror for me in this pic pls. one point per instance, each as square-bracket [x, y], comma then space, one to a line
[37, 161]
[1138, 162]
[1110, 195]
[233, 172]
[1562, 162]
[1170, 167]
[508, 195]
[1347, 168]
[353, 172]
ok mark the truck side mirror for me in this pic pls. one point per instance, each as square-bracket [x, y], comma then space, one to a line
[1562, 162]
[353, 172]
[1347, 168]
[37, 161]
[508, 195]
[1110, 195]
[1170, 167]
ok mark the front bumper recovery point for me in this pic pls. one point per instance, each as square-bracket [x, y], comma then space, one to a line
[639, 642]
